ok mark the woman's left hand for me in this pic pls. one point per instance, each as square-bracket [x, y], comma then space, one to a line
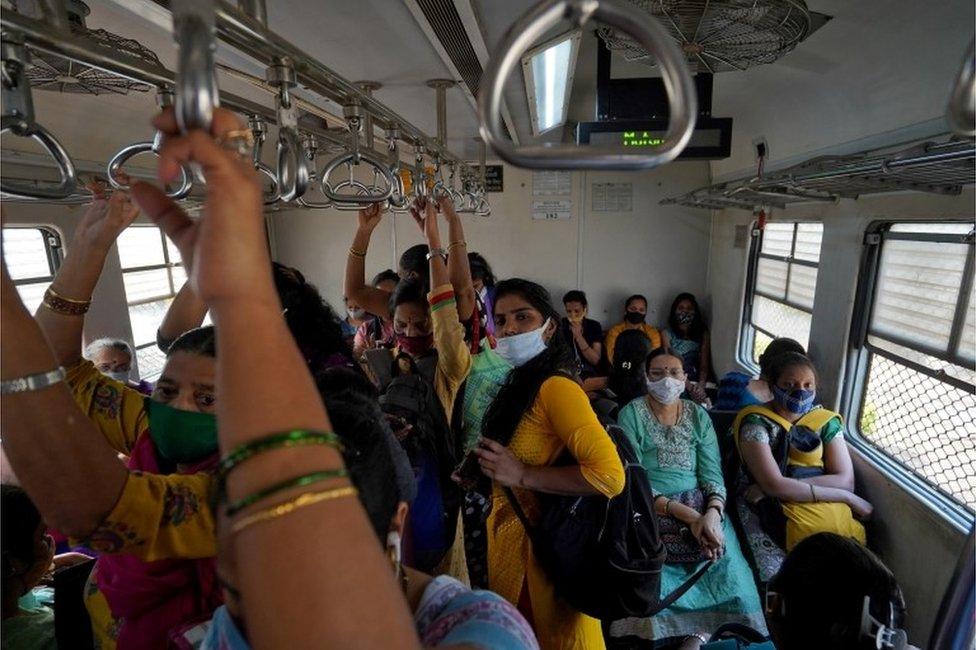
[424, 213]
[712, 533]
[500, 464]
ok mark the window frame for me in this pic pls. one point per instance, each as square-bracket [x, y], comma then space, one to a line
[858, 366]
[747, 329]
[53, 248]
[167, 264]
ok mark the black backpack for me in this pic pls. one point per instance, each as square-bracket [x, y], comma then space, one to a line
[411, 398]
[604, 556]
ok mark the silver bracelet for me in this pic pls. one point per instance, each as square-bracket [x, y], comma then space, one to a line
[31, 382]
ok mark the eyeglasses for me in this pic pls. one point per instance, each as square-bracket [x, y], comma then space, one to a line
[660, 373]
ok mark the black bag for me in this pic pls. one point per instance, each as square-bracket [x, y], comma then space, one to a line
[604, 556]
[410, 399]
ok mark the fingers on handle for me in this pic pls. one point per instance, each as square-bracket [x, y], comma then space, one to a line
[161, 209]
[223, 121]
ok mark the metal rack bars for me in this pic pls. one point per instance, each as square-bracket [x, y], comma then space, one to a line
[246, 35]
[939, 166]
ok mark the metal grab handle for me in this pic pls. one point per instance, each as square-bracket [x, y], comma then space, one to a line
[293, 172]
[18, 117]
[196, 78]
[260, 132]
[961, 111]
[351, 205]
[371, 195]
[272, 196]
[118, 160]
[532, 26]
[311, 146]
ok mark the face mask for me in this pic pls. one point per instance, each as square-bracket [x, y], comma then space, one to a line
[521, 348]
[415, 345]
[181, 436]
[797, 401]
[634, 317]
[576, 319]
[685, 317]
[356, 314]
[666, 389]
[121, 376]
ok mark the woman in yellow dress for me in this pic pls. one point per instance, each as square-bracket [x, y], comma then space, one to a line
[539, 412]
[794, 452]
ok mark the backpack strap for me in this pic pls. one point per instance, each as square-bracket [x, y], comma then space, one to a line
[818, 418]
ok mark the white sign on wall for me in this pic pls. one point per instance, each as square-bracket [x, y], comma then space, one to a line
[552, 209]
[613, 197]
[552, 184]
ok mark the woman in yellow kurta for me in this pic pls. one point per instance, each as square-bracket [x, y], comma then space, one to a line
[539, 412]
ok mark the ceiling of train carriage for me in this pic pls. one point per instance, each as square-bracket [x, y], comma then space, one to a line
[876, 67]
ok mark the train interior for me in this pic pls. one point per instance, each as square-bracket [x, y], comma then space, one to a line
[825, 192]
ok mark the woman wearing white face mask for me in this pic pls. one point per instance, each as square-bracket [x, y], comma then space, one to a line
[676, 443]
[539, 412]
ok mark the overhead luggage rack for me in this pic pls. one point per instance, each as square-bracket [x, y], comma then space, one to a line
[940, 166]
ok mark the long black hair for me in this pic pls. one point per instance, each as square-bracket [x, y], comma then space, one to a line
[697, 329]
[481, 269]
[628, 377]
[312, 321]
[522, 386]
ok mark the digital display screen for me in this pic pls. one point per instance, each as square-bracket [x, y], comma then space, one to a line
[711, 139]
[641, 139]
[655, 138]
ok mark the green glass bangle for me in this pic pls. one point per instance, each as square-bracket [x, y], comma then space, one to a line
[294, 438]
[300, 481]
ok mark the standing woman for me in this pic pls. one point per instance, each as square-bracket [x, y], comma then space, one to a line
[676, 444]
[484, 286]
[538, 413]
[687, 337]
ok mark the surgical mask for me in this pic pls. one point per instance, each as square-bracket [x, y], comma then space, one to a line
[356, 314]
[415, 345]
[121, 376]
[181, 436]
[520, 348]
[685, 317]
[634, 317]
[576, 319]
[666, 389]
[797, 401]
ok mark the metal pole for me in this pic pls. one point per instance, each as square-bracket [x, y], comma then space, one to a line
[256, 9]
[440, 86]
[368, 87]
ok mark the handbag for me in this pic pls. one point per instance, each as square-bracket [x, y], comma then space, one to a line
[678, 539]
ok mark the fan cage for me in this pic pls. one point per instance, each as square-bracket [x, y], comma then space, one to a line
[720, 35]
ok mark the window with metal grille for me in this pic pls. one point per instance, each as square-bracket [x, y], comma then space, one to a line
[33, 256]
[781, 283]
[912, 393]
[152, 273]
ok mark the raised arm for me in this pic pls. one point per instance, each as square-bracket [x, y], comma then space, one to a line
[375, 301]
[457, 260]
[72, 288]
[185, 313]
[60, 458]
[321, 558]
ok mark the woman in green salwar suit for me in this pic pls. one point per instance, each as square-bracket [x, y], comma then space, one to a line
[676, 443]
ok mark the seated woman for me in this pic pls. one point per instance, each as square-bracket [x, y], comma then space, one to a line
[738, 390]
[113, 358]
[806, 610]
[538, 413]
[676, 444]
[585, 336]
[445, 612]
[798, 473]
[28, 617]
[687, 336]
[627, 380]
[635, 317]
[377, 330]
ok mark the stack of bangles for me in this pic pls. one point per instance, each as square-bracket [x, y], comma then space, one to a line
[456, 244]
[287, 439]
[65, 306]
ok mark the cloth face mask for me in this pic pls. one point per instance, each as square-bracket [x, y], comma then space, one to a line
[520, 348]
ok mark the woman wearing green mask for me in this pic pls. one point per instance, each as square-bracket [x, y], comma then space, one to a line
[153, 525]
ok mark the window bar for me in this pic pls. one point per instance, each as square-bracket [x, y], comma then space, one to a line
[962, 304]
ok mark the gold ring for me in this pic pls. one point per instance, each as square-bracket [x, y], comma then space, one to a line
[240, 141]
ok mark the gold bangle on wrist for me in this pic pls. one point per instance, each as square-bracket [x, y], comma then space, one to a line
[355, 253]
[455, 244]
[66, 306]
[280, 510]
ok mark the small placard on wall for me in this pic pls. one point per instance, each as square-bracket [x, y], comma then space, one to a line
[495, 178]
[613, 197]
[552, 209]
[552, 184]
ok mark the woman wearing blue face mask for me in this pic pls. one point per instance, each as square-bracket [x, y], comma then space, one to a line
[799, 478]
[539, 412]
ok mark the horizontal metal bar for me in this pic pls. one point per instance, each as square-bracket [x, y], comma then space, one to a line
[151, 267]
[880, 166]
[784, 302]
[941, 375]
[146, 301]
[946, 355]
[938, 238]
[790, 260]
[37, 280]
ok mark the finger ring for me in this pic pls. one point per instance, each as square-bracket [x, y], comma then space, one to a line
[240, 141]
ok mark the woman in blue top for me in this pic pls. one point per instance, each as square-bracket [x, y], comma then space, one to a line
[738, 390]
[686, 336]
[676, 443]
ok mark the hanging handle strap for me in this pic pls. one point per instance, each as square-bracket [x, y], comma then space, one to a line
[194, 29]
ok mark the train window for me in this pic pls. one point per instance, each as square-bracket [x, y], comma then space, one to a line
[913, 383]
[33, 256]
[782, 280]
[152, 273]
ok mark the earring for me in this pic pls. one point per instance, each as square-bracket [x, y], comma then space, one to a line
[394, 551]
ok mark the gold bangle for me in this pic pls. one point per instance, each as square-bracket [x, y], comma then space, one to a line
[455, 244]
[64, 306]
[57, 295]
[302, 500]
[355, 253]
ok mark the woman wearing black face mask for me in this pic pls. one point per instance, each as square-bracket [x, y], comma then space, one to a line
[635, 317]
[687, 337]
